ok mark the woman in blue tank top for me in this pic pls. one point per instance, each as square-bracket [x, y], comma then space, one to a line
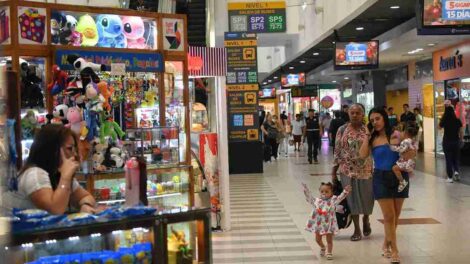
[384, 181]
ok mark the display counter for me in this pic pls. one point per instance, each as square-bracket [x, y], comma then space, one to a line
[169, 236]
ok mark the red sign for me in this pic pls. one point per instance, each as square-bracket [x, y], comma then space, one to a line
[195, 63]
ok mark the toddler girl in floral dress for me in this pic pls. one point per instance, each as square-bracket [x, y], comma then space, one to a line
[323, 219]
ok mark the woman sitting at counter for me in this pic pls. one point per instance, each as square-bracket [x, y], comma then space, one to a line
[47, 179]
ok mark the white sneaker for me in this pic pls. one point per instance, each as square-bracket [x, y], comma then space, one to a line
[456, 176]
[449, 180]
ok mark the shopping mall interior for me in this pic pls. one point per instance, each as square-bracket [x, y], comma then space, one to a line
[234, 131]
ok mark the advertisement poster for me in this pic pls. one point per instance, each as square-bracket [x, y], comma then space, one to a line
[260, 17]
[242, 63]
[242, 101]
[208, 152]
[173, 34]
[32, 24]
[5, 25]
[446, 12]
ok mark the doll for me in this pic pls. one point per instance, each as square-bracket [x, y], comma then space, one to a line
[87, 27]
[57, 23]
[110, 31]
[134, 30]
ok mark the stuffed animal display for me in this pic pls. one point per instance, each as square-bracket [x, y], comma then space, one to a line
[105, 30]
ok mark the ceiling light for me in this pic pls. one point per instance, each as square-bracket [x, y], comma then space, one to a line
[359, 28]
[316, 54]
[304, 5]
[346, 78]
[415, 51]
[302, 61]
[275, 77]
[395, 7]
[265, 83]
[291, 68]
[431, 44]
[269, 81]
[334, 42]
[333, 81]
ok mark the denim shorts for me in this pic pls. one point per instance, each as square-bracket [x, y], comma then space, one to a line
[385, 185]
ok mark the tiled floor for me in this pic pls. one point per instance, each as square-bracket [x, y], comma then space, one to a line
[269, 214]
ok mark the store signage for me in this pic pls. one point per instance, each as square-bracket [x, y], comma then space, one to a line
[242, 65]
[452, 62]
[260, 17]
[306, 91]
[195, 63]
[456, 9]
[327, 102]
[118, 68]
[134, 62]
[242, 86]
[206, 61]
[173, 34]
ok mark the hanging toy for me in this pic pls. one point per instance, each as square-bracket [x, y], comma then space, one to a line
[59, 80]
[76, 123]
[106, 92]
[109, 128]
[59, 114]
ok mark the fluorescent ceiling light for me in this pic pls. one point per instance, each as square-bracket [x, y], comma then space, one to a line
[291, 68]
[431, 44]
[415, 51]
[395, 7]
[302, 61]
[316, 54]
[265, 83]
[333, 81]
[269, 80]
[346, 78]
[359, 28]
[275, 77]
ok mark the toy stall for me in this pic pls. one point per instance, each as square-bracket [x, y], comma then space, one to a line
[119, 80]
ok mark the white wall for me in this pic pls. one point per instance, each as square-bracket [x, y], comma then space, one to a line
[304, 27]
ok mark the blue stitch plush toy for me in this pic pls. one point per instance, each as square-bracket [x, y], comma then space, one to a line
[110, 31]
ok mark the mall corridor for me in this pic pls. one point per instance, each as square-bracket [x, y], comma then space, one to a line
[269, 214]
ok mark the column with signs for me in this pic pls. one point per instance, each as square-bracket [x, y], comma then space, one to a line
[260, 17]
[242, 86]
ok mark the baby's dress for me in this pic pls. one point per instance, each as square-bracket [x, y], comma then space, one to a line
[407, 144]
[323, 217]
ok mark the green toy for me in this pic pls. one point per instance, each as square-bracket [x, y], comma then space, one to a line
[109, 128]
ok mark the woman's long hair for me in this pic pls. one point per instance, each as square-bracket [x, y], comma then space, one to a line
[388, 128]
[45, 150]
[448, 116]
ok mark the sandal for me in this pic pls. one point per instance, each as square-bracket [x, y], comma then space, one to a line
[329, 256]
[322, 252]
[386, 253]
[395, 259]
[356, 237]
[366, 229]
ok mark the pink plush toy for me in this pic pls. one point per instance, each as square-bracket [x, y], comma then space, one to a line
[134, 30]
[132, 182]
[76, 123]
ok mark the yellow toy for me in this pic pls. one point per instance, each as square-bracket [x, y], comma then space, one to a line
[87, 27]
[149, 99]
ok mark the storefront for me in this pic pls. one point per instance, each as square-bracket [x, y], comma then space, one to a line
[452, 82]
[119, 80]
[207, 68]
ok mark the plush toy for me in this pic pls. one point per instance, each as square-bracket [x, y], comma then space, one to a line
[99, 150]
[86, 69]
[57, 23]
[60, 113]
[110, 31]
[65, 34]
[118, 157]
[59, 81]
[29, 124]
[106, 92]
[149, 99]
[109, 128]
[87, 27]
[92, 121]
[134, 30]
[31, 93]
[95, 100]
[76, 123]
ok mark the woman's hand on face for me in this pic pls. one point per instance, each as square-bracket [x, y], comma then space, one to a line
[68, 167]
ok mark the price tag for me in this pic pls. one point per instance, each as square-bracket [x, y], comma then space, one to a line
[118, 68]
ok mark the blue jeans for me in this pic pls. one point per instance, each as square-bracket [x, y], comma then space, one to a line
[452, 154]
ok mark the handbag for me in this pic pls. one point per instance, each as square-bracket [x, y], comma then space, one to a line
[343, 213]
[291, 141]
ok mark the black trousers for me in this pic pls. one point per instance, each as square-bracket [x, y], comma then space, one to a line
[452, 154]
[313, 143]
[272, 147]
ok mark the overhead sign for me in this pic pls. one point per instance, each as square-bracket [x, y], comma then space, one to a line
[135, 62]
[306, 91]
[242, 86]
[259, 17]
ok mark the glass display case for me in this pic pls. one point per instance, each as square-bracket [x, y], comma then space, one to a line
[81, 29]
[168, 236]
[199, 118]
[158, 146]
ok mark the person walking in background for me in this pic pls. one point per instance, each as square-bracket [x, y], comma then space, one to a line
[407, 115]
[419, 123]
[345, 113]
[377, 141]
[325, 123]
[355, 171]
[453, 137]
[281, 135]
[298, 126]
[284, 118]
[392, 117]
[312, 131]
[270, 132]
[335, 124]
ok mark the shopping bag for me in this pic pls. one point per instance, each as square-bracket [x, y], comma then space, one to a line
[343, 213]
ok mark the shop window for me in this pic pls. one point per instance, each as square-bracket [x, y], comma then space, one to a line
[102, 30]
[5, 29]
